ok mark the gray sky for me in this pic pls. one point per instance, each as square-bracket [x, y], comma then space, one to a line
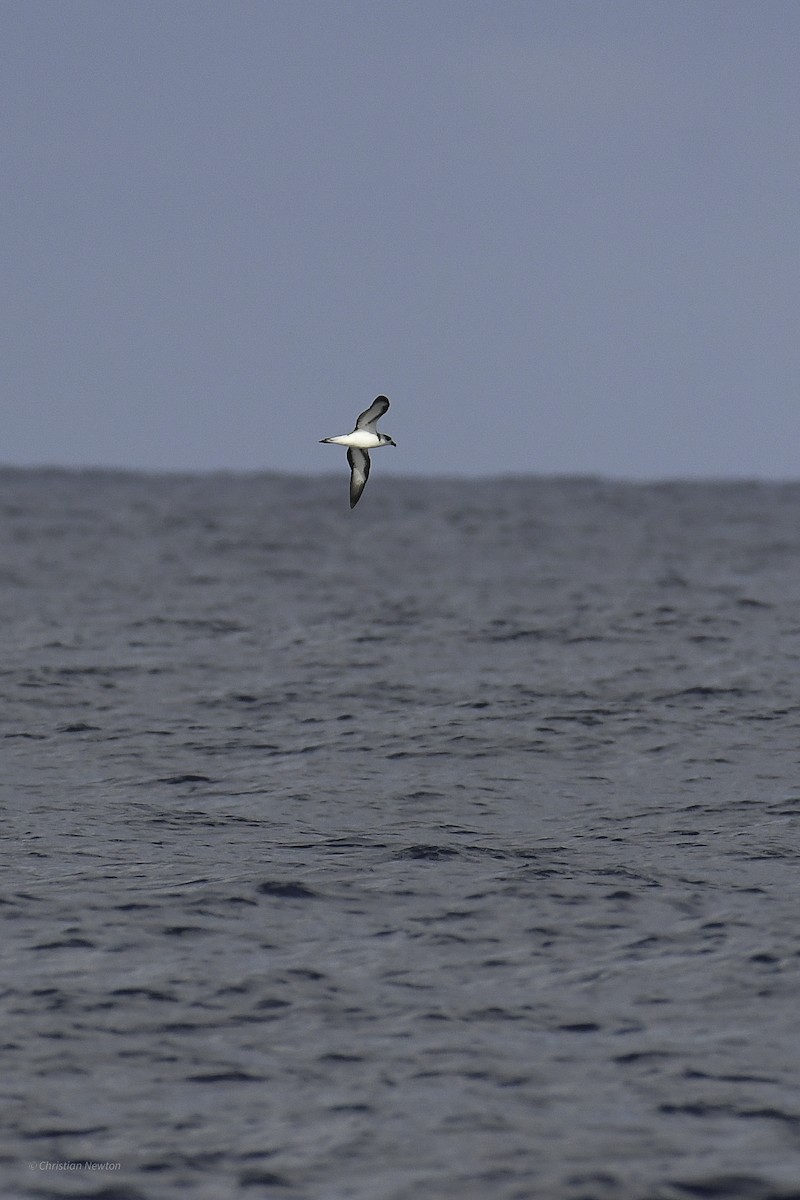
[561, 236]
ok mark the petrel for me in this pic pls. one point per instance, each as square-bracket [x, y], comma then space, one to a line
[364, 437]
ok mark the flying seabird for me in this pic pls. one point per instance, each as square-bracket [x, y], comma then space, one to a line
[364, 437]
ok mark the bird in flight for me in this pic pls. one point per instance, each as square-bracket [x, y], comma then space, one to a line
[365, 437]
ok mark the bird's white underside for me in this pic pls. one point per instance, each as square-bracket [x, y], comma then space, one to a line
[358, 438]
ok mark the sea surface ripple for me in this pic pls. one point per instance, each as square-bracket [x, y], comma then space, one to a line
[447, 848]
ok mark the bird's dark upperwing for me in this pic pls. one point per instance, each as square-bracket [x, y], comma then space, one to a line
[370, 417]
[359, 472]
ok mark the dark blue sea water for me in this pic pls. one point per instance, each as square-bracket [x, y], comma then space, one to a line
[445, 848]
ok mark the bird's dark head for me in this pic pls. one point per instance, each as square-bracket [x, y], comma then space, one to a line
[386, 440]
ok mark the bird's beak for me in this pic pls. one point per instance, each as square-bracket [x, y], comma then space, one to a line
[393, 442]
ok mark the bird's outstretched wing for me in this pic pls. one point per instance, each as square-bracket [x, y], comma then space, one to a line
[359, 472]
[370, 417]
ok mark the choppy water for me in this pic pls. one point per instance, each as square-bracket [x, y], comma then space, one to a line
[463, 864]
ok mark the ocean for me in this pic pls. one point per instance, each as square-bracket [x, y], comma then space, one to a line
[444, 849]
